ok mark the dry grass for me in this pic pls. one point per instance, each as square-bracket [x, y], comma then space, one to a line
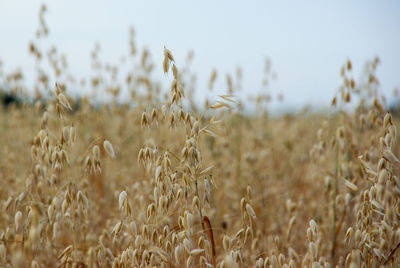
[159, 185]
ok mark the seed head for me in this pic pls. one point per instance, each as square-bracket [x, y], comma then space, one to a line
[109, 149]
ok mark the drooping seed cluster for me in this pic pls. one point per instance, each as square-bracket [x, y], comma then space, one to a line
[161, 183]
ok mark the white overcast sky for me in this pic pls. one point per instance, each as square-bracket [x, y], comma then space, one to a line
[307, 41]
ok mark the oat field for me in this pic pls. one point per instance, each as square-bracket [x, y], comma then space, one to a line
[159, 181]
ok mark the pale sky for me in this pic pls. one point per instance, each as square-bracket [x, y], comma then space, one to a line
[307, 41]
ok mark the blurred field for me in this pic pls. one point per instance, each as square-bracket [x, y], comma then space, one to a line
[162, 181]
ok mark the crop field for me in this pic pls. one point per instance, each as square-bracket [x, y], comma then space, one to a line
[162, 181]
